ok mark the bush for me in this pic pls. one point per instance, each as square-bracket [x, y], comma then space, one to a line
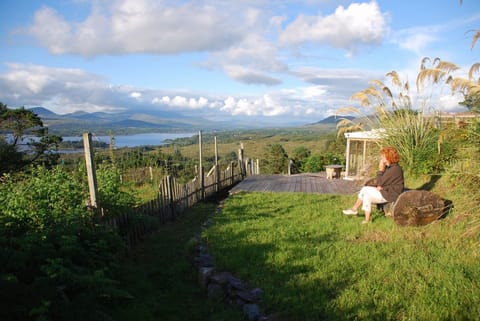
[275, 160]
[56, 263]
[317, 163]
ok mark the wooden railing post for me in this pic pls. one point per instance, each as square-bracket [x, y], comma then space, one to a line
[201, 174]
[241, 160]
[91, 173]
[217, 168]
[232, 173]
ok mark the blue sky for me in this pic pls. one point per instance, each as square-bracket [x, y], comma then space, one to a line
[287, 62]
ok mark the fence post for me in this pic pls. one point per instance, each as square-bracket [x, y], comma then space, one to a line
[241, 162]
[171, 203]
[202, 177]
[232, 173]
[217, 169]
[90, 163]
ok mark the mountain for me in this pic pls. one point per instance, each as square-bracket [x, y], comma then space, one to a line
[123, 123]
[44, 113]
[333, 119]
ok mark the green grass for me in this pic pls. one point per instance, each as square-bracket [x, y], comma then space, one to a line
[316, 264]
[163, 282]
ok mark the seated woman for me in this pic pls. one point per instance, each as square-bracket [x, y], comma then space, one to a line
[389, 185]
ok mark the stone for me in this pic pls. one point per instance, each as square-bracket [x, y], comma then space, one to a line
[203, 260]
[246, 296]
[236, 284]
[204, 274]
[252, 312]
[221, 278]
[215, 291]
[257, 293]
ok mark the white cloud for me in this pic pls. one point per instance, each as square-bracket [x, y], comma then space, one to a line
[61, 89]
[138, 26]
[136, 95]
[250, 76]
[347, 28]
[415, 39]
[182, 102]
[69, 90]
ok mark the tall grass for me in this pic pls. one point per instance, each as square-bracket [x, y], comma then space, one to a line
[316, 264]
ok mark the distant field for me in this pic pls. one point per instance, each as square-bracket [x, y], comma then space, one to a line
[315, 138]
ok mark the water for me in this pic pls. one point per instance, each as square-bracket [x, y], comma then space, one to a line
[150, 139]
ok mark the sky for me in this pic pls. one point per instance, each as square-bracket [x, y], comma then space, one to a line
[284, 62]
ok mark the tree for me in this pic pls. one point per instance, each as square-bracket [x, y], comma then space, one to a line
[24, 140]
[300, 154]
[472, 102]
[275, 159]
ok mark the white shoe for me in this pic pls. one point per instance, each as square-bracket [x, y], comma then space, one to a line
[350, 212]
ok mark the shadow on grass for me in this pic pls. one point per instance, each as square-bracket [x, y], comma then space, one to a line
[428, 186]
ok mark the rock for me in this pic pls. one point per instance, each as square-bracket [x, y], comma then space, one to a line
[215, 291]
[221, 278]
[257, 293]
[418, 207]
[204, 274]
[246, 296]
[251, 311]
[203, 260]
[236, 284]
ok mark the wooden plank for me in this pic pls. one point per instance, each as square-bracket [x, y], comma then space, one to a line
[299, 183]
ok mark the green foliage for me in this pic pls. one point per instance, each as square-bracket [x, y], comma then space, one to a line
[472, 102]
[42, 198]
[300, 156]
[464, 167]
[54, 259]
[317, 163]
[416, 139]
[275, 160]
[316, 264]
[21, 125]
[111, 197]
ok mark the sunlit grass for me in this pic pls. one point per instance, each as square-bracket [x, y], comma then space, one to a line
[316, 264]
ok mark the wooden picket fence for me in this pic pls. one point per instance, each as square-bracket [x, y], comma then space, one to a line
[174, 198]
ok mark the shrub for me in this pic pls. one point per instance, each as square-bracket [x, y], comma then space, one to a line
[55, 261]
[275, 160]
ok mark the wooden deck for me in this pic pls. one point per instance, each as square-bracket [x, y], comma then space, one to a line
[299, 183]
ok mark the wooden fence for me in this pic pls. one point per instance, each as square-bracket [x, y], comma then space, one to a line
[174, 198]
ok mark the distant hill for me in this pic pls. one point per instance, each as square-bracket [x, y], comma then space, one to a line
[333, 119]
[43, 112]
[123, 123]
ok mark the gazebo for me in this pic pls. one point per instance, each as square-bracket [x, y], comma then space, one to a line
[362, 153]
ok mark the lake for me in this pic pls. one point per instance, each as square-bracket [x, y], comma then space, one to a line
[150, 139]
